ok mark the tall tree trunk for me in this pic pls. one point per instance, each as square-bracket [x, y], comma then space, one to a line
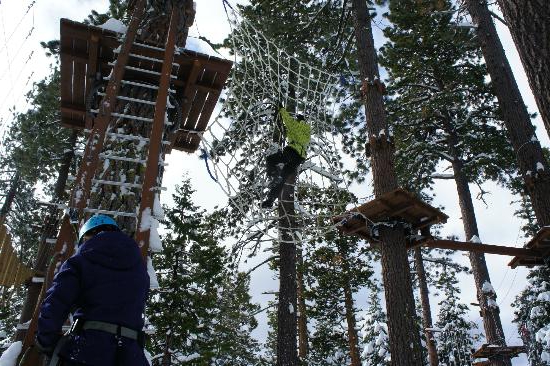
[166, 353]
[353, 338]
[302, 316]
[426, 309]
[403, 333]
[10, 197]
[532, 164]
[287, 354]
[530, 29]
[491, 318]
[50, 227]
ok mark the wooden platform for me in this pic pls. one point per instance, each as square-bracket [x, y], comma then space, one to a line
[491, 351]
[86, 51]
[541, 244]
[395, 205]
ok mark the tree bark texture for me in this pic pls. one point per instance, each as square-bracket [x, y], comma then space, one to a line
[10, 197]
[302, 316]
[353, 338]
[492, 325]
[426, 309]
[530, 29]
[531, 162]
[49, 231]
[404, 336]
[287, 352]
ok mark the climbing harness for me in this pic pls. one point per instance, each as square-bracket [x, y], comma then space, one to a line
[117, 330]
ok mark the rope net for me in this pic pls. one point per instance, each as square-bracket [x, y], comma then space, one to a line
[246, 131]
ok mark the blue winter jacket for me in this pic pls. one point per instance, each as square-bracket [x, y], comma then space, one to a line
[106, 280]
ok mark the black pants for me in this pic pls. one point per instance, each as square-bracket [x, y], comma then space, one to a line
[280, 166]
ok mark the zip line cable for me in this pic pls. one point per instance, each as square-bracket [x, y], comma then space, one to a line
[8, 58]
[18, 24]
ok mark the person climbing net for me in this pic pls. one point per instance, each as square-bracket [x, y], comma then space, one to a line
[283, 163]
[275, 129]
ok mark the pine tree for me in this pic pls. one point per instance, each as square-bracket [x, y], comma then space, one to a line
[444, 111]
[454, 339]
[374, 329]
[336, 268]
[216, 315]
[531, 162]
[532, 316]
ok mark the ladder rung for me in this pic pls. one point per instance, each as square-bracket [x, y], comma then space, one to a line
[135, 100]
[37, 279]
[138, 69]
[145, 45]
[121, 184]
[106, 212]
[51, 241]
[120, 158]
[146, 57]
[134, 83]
[129, 116]
[109, 182]
[128, 137]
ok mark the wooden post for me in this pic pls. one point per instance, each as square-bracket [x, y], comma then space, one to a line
[155, 140]
[80, 193]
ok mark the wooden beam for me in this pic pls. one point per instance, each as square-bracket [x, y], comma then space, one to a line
[483, 248]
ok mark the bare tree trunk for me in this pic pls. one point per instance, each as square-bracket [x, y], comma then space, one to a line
[166, 354]
[287, 354]
[353, 338]
[531, 161]
[50, 226]
[426, 309]
[10, 197]
[530, 29]
[403, 333]
[491, 318]
[302, 316]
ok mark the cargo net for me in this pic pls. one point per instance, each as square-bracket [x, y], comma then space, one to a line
[246, 131]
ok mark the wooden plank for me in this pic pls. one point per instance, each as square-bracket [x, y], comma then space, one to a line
[489, 351]
[79, 73]
[73, 109]
[541, 238]
[482, 248]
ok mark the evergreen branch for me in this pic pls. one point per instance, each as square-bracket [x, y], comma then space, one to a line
[261, 264]
[262, 310]
[425, 86]
[496, 16]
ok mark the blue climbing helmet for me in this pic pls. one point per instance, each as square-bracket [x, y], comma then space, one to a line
[94, 222]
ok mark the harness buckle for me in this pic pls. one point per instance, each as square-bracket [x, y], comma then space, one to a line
[76, 328]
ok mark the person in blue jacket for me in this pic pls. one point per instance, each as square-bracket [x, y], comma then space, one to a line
[105, 285]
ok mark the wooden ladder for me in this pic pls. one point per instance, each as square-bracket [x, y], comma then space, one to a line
[100, 119]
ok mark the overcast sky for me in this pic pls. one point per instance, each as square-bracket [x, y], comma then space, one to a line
[25, 23]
